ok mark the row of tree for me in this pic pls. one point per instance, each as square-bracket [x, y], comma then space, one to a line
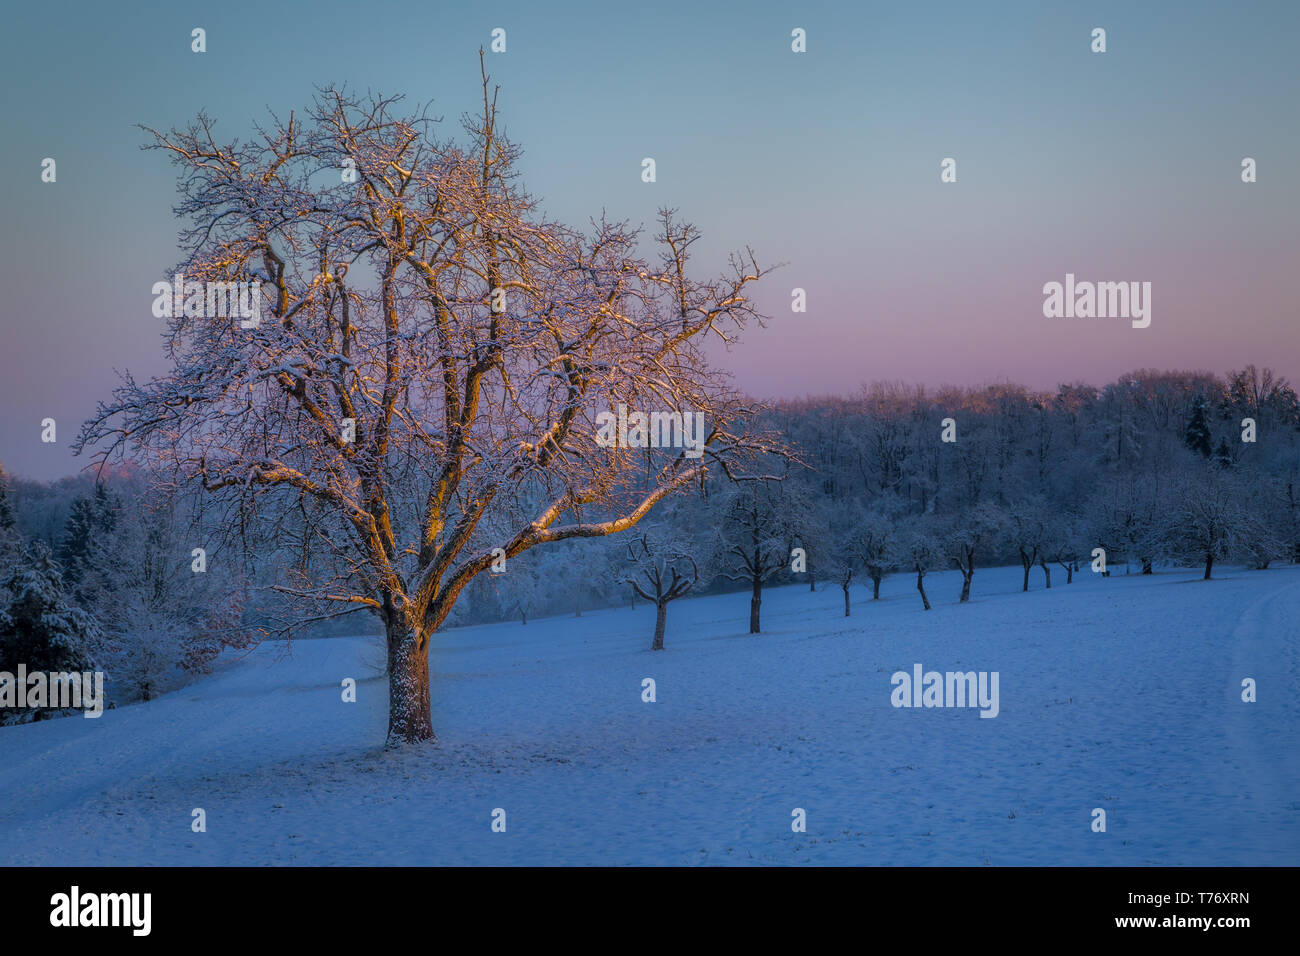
[1159, 467]
[1140, 472]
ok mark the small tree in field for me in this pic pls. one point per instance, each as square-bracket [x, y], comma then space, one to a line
[518, 589]
[874, 544]
[435, 367]
[967, 538]
[920, 551]
[1026, 529]
[1063, 538]
[758, 532]
[1209, 520]
[668, 570]
[836, 549]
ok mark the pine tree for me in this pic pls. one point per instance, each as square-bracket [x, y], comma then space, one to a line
[1197, 436]
[104, 509]
[76, 539]
[39, 626]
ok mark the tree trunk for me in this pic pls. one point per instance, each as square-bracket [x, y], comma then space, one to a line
[661, 618]
[846, 599]
[875, 587]
[920, 586]
[1047, 574]
[409, 716]
[755, 602]
[1146, 566]
[1209, 564]
[965, 586]
[1026, 564]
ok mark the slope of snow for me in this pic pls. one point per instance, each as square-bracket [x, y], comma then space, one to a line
[1123, 694]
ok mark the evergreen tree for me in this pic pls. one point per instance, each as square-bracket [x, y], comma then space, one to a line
[1197, 436]
[1223, 454]
[86, 537]
[39, 626]
[76, 539]
[104, 509]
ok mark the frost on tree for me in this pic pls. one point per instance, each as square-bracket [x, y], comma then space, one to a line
[759, 524]
[39, 625]
[663, 570]
[429, 366]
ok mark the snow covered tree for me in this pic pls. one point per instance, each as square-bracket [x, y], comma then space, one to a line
[968, 536]
[1197, 434]
[668, 570]
[1063, 542]
[839, 556]
[1262, 395]
[759, 535]
[39, 626]
[518, 589]
[434, 352]
[1208, 519]
[920, 551]
[1026, 528]
[814, 529]
[84, 553]
[1137, 508]
[873, 543]
[76, 538]
[1264, 523]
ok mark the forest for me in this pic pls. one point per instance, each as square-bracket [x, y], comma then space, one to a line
[122, 571]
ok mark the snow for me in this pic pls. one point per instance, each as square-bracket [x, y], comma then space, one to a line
[1122, 693]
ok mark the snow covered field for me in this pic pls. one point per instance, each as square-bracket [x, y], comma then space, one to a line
[1123, 694]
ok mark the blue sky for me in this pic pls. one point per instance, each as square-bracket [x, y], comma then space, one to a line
[1115, 166]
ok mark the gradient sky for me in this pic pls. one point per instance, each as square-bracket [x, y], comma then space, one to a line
[1115, 166]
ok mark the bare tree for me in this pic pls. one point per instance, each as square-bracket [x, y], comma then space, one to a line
[436, 354]
[1026, 527]
[873, 544]
[969, 534]
[759, 533]
[920, 552]
[663, 565]
[1209, 520]
[1061, 543]
[838, 540]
